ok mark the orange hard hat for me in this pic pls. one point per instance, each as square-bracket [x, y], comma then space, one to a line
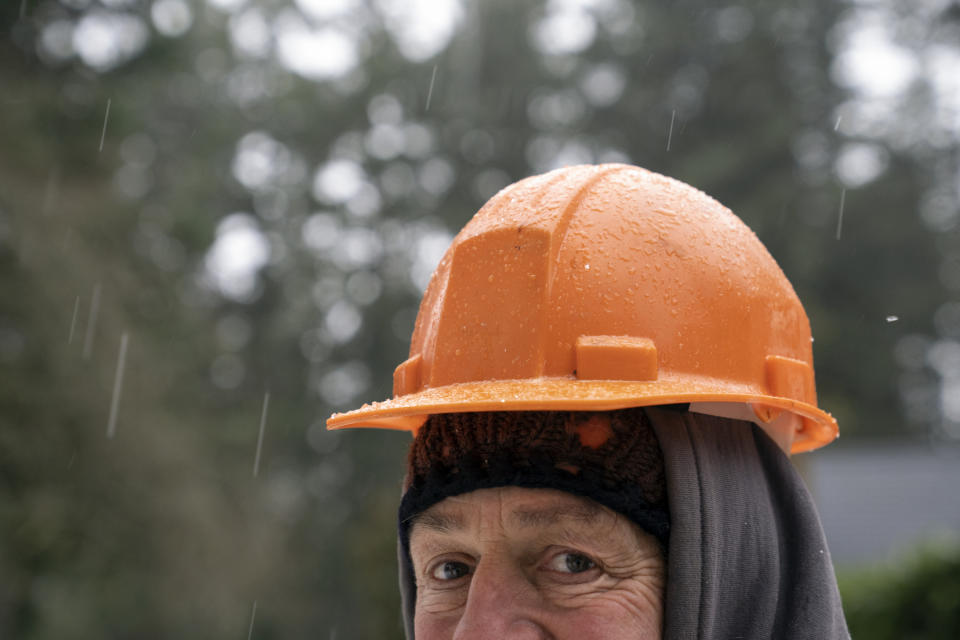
[602, 287]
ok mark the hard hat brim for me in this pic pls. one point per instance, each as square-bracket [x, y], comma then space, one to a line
[408, 412]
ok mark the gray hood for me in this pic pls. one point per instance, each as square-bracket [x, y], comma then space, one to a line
[747, 556]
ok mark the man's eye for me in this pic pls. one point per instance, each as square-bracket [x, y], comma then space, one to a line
[570, 562]
[450, 570]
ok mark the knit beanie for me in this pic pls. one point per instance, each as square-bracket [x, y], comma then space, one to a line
[611, 457]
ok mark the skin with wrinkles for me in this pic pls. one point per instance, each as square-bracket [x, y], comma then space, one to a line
[514, 563]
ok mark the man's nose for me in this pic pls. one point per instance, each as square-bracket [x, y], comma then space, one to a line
[502, 604]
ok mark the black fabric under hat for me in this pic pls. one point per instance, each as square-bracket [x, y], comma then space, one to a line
[610, 457]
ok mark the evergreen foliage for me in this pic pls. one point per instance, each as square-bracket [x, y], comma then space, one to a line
[917, 599]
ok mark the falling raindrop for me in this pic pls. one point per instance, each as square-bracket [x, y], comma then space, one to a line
[256, 460]
[837, 125]
[117, 387]
[673, 116]
[106, 117]
[73, 320]
[433, 77]
[253, 616]
[843, 197]
[91, 322]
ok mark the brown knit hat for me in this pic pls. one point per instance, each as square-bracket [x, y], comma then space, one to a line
[612, 457]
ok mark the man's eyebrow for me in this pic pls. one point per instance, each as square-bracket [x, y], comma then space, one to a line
[548, 516]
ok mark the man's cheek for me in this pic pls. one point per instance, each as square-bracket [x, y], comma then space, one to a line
[440, 603]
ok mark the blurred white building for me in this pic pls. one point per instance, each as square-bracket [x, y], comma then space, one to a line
[879, 501]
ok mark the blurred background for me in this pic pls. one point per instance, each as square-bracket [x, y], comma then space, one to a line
[217, 218]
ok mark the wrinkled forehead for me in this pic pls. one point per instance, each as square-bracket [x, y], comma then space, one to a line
[514, 508]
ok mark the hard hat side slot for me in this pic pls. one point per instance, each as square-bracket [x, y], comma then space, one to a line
[790, 378]
[407, 376]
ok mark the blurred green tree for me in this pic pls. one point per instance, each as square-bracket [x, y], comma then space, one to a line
[919, 598]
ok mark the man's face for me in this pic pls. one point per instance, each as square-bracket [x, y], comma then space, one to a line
[533, 563]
